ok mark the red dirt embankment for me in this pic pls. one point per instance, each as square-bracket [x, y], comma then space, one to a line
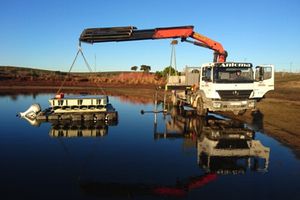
[13, 76]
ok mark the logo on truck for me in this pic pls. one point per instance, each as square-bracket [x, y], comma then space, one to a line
[236, 93]
[236, 64]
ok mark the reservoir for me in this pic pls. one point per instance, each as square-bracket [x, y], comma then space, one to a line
[141, 156]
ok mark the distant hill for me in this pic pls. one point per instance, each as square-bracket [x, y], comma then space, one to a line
[287, 85]
[21, 76]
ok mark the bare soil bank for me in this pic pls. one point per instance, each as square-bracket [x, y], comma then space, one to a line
[280, 120]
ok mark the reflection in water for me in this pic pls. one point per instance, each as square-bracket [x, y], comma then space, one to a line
[229, 148]
[33, 122]
[258, 120]
[69, 128]
[111, 189]
[126, 96]
[78, 129]
[15, 94]
[223, 146]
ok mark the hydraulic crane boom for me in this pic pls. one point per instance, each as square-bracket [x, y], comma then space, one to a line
[128, 33]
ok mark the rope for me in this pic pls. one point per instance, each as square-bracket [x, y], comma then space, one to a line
[90, 69]
[68, 72]
[86, 63]
[71, 67]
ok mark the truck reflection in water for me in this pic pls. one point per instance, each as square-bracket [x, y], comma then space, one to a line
[223, 146]
[229, 148]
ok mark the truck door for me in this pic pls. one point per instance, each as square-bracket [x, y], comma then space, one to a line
[206, 80]
[263, 80]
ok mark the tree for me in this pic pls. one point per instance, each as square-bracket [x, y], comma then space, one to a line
[134, 68]
[158, 75]
[169, 70]
[145, 68]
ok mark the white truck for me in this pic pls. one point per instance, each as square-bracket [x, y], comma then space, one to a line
[222, 86]
[216, 86]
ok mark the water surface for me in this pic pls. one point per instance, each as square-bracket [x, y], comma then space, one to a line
[179, 156]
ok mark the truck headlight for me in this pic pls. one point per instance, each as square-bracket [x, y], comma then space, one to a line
[217, 104]
[215, 134]
[251, 104]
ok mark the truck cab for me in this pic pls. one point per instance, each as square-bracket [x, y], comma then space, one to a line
[228, 86]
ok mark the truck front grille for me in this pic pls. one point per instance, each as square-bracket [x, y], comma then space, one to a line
[234, 94]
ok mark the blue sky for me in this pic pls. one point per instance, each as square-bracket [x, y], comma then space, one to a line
[44, 33]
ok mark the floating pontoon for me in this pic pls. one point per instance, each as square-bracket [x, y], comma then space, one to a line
[74, 108]
[74, 104]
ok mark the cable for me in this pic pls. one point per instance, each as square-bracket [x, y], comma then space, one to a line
[89, 67]
[68, 72]
[71, 67]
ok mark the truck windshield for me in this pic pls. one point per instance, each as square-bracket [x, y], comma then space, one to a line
[233, 75]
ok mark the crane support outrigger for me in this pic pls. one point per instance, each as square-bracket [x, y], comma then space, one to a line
[215, 86]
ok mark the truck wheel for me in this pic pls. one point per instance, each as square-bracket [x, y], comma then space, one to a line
[200, 108]
[199, 124]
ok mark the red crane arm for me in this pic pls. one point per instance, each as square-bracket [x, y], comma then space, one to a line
[173, 32]
[220, 54]
[128, 33]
